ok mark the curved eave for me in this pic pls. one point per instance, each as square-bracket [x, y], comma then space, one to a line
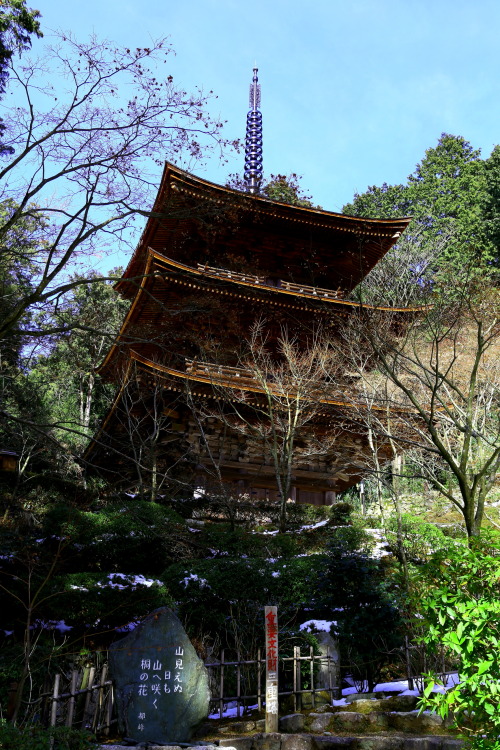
[121, 337]
[282, 297]
[174, 180]
[200, 188]
[169, 372]
[322, 301]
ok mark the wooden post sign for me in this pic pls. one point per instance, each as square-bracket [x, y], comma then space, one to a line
[271, 620]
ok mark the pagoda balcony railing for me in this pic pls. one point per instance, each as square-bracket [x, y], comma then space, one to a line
[219, 372]
[288, 286]
[241, 377]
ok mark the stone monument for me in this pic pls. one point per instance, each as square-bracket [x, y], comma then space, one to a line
[161, 684]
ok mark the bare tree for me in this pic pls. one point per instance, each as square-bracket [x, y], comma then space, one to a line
[277, 413]
[144, 437]
[436, 379]
[91, 126]
[403, 277]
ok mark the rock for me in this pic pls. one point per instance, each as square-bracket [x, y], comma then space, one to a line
[365, 705]
[378, 722]
[412, 722]
[239, 743]
[320, 722]
[349, 721]
[260, 725]
[332, 743]
[292, 723]
[361, 697]
[379, 743]
[452, 743]
[400, 703]
[422, 743]
[241, 727]
[161, 684]
[267, 741]
[224, 729]
[297, 742]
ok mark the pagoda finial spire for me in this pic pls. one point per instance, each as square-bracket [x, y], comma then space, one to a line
[253, 140]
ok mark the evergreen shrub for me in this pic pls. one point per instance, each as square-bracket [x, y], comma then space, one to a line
[458, 597]
[362, 602]
[38, 738]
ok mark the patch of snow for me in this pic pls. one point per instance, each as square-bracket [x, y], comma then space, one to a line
[401, 687]
[59, 625]
[314, 525]
[128, 627]
[391, 687]
[231, 711]
[202, 582]
[128, 581]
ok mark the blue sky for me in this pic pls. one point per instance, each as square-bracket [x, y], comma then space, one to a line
[353, 92]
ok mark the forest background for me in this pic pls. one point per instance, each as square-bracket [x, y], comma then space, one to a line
[76, 553]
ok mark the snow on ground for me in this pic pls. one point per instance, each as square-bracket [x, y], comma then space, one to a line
[231, 711]
[59, 625]
[295, 531]
[314, 525]
[202, 582]
[400, 687]
[127, 581]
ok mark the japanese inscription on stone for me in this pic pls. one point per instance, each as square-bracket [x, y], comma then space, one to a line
[161, 684]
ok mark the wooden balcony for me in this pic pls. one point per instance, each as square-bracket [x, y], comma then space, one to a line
[233, 375]
[289, 286]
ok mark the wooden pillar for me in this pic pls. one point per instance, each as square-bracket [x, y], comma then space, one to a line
[271, 625]
[330, 497]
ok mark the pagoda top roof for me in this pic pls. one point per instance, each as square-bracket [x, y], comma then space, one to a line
[337, 235]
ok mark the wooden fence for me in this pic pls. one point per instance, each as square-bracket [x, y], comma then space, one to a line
[242, 681]
[85, 698]
[82, 699]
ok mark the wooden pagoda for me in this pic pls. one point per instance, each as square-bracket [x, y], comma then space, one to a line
[212, 262]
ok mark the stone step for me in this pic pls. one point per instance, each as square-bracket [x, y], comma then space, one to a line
[340, 722]
[279, 741]
[407, 722]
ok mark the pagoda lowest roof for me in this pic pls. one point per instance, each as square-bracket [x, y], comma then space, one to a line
[346, 245]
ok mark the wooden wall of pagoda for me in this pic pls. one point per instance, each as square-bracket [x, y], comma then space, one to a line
[212, 263]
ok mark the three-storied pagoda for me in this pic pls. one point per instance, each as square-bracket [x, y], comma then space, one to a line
[212, 262]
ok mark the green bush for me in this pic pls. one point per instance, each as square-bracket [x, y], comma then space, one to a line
[418, 538]
[222, 599]
[38, 738]
[120, 536]
[459, 599]
[354, 587]
[340, 513]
